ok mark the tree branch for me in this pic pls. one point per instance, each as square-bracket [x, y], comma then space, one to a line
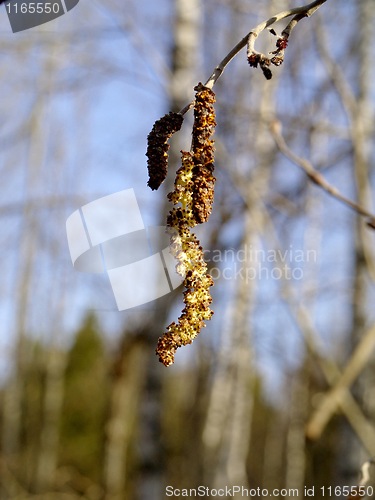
[249, 39]
[334, 397]
[316, 176]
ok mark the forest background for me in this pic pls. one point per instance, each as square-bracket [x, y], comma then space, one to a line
[278, 389]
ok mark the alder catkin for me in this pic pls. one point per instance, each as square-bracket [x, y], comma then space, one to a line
[158, 147]
[203, 153]
[194, 192]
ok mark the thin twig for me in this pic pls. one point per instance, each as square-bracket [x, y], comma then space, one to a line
[298, 13]
[316, 176]
[249, 39]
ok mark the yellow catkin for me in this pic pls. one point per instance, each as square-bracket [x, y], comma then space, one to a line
[194, 193]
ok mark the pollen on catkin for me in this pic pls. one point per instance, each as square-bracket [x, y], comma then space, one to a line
[193, 193]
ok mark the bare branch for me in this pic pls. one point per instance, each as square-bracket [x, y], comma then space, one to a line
[249, 39]
[254, 58]
[334, 397]
[316, 176]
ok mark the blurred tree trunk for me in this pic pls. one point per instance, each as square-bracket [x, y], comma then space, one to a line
[12, 405]
[227, 431]
[139, 365]
[362, 131]
[48, 454]
[357, 102]
[186, 33]
[295, 445]
[126, 389]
